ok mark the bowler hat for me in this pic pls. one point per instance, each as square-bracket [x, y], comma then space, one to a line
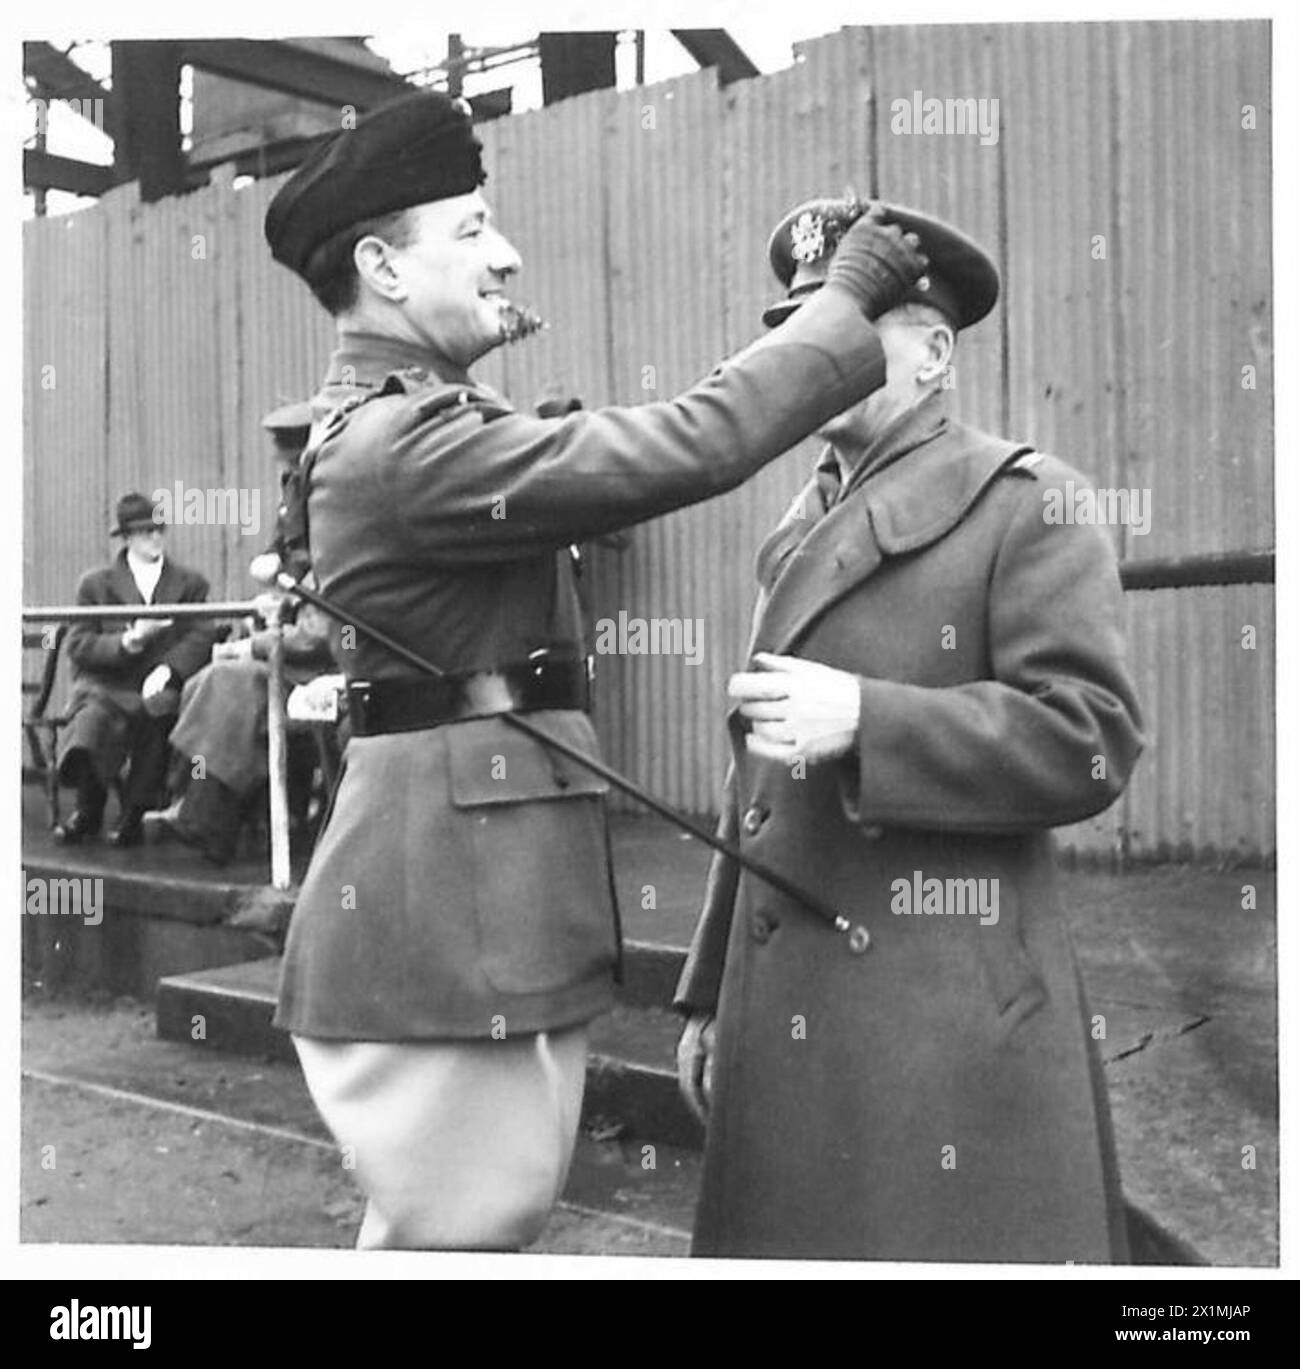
[961, 280]
[135, 511]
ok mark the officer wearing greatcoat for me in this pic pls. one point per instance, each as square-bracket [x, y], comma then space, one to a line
[455, 933]
[936, 679]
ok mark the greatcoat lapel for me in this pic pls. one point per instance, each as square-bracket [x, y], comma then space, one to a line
[170, 584]
[922, 482]
[123, 582]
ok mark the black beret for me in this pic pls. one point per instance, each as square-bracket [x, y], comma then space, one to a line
[961, 282]
[415, 149]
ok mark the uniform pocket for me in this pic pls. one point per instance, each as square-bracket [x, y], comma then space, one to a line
[1013, 979]
[542, 886]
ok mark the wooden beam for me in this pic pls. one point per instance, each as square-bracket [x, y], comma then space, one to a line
[147, 145]
[717, 48]
[279, 65]
[44, 171]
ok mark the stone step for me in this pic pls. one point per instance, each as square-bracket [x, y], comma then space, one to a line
[631, 1079]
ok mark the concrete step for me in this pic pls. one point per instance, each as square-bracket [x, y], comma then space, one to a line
[631, 1079]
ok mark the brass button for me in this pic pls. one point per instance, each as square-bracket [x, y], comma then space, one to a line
[874, 832]
[753, 820]
[859, 940]
[761, 927]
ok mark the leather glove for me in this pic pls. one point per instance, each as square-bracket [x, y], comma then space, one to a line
[877, 263]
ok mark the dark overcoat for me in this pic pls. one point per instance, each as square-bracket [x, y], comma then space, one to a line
[931, 1090]
[106, 678]
[462, 886]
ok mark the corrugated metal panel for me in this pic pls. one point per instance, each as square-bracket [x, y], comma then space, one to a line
[664, 714]
[1194, 224]
[1207, 786]
[66, 501]
[954, 175]
[648, 251]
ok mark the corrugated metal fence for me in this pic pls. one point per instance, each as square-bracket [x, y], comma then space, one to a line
[1124, 195]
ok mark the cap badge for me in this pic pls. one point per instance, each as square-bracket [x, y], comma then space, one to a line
[807, 237]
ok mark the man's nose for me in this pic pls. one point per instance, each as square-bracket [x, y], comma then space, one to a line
[505, 260]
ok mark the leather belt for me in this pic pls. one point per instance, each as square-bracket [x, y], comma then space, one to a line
[409, 705]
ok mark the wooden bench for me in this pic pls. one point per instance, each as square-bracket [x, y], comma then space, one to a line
[40, 728]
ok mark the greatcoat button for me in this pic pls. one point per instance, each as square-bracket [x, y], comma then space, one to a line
[859, 940]
[874, 832]
[761, 926]
[753, 820]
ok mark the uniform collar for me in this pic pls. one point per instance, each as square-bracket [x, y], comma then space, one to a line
[365, 359]
[895, 507]
[911, 429]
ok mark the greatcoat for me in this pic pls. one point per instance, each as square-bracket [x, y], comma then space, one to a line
[461, 886]
[929, 1087]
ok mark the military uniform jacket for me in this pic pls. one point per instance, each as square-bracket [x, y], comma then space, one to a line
[930, 1090]
[462, 884]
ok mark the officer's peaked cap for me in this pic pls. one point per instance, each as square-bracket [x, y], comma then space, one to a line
[961, 281]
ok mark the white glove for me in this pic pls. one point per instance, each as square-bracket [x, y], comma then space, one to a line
[265, 568]
[156, 681]
[317, 701]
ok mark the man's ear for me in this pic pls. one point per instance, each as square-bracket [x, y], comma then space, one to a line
[372, 257]
[940, 343]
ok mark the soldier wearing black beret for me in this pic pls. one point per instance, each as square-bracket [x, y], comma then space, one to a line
[455, 933]
[936, 679]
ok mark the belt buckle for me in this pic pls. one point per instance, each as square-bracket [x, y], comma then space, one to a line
[486, 692]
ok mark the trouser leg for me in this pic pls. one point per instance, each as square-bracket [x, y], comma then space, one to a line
[77, 769]
[209, 816]
[148, 764]
[457, 1145]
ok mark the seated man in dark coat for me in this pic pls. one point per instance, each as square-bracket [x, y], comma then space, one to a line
[127, 678]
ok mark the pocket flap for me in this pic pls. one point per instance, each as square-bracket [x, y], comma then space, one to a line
[490, 763]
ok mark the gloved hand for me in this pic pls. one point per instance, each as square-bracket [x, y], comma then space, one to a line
[877, 263]
[159, 695]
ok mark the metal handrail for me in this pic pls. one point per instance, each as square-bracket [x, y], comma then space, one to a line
[82, 613]
[1203, 569]
[276, 750]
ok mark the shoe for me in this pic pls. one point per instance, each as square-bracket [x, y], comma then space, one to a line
[78, 827]
[129, 831]
[168, 824]
[159, 824]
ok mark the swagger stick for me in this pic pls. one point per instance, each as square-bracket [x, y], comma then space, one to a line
[755, 867]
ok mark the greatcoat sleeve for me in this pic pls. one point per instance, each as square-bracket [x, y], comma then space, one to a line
[1052, 737]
